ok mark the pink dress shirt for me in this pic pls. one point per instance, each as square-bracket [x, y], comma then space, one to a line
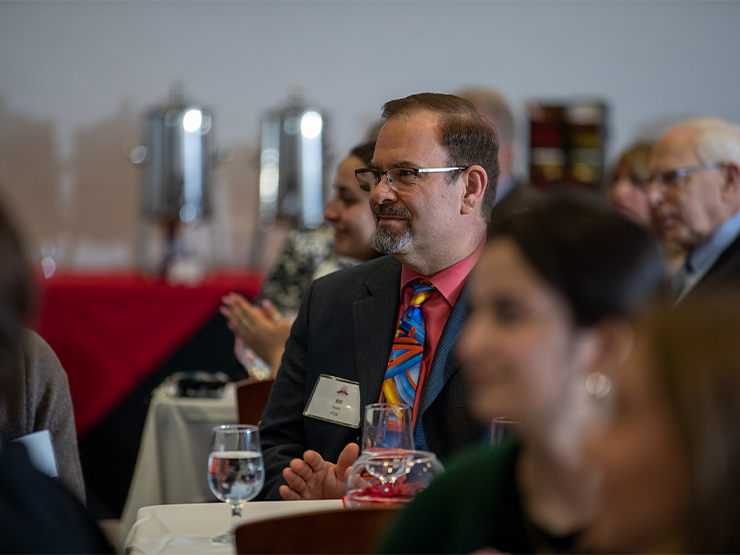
[449, 283]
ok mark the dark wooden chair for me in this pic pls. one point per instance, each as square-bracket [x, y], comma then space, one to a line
[331, 532]
[251, 399]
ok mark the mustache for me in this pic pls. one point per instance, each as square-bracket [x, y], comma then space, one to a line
[391, 210]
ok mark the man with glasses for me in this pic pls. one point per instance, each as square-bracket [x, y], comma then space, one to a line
[694, 192]
[385, 330]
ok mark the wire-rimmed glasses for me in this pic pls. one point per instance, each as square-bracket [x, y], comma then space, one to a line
[399, 179]
[672, 178]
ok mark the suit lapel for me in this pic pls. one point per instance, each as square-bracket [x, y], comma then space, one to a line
[445, 364]
[724, 269]
[724, 259]
[374, 319]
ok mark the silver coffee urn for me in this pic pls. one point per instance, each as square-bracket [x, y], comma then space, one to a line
[176, 234]
[294, 162]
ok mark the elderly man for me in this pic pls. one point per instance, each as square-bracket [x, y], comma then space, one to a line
[694, 192]
[432, 184]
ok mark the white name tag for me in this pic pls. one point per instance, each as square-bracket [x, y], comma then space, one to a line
[335, 400]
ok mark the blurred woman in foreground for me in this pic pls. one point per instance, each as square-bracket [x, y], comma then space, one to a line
[263, 328]
[550, 296]
[672, 454]
[38, 514]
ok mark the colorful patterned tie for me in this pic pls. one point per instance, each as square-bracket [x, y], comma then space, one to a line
[404, 365]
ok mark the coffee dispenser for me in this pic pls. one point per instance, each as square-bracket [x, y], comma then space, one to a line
[293, 165]
[176, 232]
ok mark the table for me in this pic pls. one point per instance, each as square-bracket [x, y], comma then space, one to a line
[188, 528]
[173, 458]
[111, 331]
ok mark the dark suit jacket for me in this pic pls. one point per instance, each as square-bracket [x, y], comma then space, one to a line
[724, 273]
[345, 328]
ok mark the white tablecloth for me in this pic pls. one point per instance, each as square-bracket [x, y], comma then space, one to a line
[189, 528]
[173, 457]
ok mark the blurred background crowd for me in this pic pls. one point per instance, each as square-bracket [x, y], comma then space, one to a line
[212, 145]
[77, 82]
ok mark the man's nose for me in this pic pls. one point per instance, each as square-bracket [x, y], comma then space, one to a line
[383, 192]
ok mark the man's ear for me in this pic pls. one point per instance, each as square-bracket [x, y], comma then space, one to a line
[475, 181]
[732, 179]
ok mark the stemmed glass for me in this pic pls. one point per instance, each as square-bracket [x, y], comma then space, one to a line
[389, 472]
[236, 472]
[387, 450]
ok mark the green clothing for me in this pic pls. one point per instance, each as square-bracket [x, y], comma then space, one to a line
[475, 504]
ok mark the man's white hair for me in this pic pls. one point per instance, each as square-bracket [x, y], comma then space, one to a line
[718, 140]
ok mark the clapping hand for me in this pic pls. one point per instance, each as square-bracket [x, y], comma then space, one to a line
[314, 478]
[262, 328]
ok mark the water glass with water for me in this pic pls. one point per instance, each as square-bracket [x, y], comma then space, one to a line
[236, 472]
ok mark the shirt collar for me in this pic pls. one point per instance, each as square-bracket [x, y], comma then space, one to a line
[709, 250]
[449, 281]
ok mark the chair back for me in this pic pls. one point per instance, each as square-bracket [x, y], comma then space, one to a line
[331, 532]
[251, 399]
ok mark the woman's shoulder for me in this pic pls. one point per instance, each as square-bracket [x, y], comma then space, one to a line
[40, 362]
[489, 465]
[460, 511]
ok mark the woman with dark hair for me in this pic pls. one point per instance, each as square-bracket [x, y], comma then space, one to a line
[307, 256]
[550, 297]
[670, 458]
[37, 513]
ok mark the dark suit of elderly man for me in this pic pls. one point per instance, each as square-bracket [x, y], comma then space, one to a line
[432, 184]
[694, 193]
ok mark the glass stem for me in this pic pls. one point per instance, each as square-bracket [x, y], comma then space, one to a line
[236, 517]
[236, 514]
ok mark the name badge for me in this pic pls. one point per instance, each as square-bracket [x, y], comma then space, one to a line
[335, 400]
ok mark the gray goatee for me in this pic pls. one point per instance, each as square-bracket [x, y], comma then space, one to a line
[386, 239]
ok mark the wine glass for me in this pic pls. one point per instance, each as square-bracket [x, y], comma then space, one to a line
[387, 426]
[236, 472]
[387, 440]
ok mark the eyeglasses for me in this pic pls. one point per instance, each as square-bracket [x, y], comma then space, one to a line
[400, 179]
[672, 178]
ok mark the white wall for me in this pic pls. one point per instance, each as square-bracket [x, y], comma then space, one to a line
[84, 72]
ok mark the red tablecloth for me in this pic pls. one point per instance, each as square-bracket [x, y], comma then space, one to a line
[111, 331]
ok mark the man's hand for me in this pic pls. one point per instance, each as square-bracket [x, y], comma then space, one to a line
[314, 478]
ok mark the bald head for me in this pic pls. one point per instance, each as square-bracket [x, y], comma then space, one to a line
[715, 140]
